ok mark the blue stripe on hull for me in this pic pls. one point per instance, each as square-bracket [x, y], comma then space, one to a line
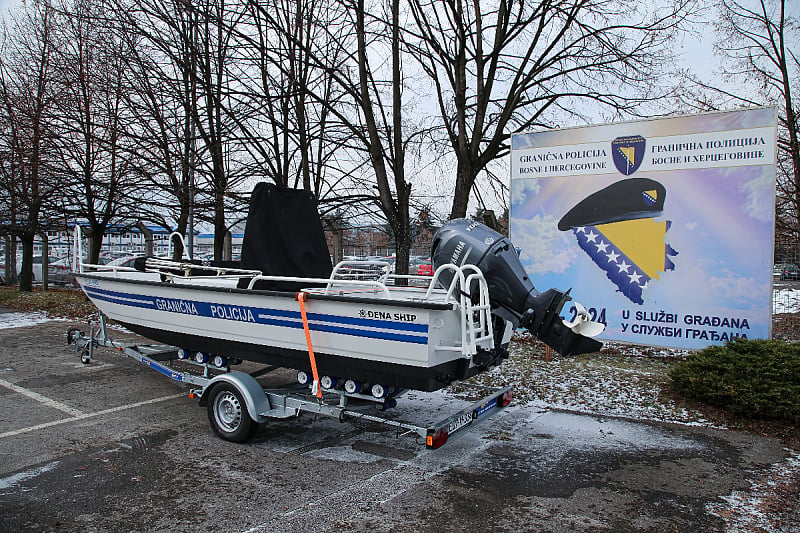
[401, 332]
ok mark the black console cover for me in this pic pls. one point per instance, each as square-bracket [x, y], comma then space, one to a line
[283, 236]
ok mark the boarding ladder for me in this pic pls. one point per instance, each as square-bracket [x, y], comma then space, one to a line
[476, 317]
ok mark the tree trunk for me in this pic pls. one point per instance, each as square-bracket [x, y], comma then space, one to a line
[26, 276]
[465, 178]
[95, 243]
[402, 252]
[148, 238]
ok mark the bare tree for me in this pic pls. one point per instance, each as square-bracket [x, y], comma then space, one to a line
[286, 51]
[760, 45]
[281, 124]
[10, 166]
[515, 65]
[757, 44]
[92, 121]
[181, 95]
[326, 95]
[368, 113]
[161, 93]
[212, 50]
[388, 153]
[26, 90]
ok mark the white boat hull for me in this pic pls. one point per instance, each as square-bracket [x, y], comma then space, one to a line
[399, 341]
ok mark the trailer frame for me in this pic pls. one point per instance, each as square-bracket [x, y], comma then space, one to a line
[237, 403]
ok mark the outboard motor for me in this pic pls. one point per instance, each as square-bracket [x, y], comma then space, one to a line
[511, 293]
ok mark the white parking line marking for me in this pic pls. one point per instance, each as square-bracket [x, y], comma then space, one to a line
[49, 402]
[88, 415]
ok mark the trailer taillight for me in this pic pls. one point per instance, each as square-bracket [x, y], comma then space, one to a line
[506, 398]
[437, 439]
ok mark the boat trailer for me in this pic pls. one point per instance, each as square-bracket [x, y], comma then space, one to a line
[237, 403]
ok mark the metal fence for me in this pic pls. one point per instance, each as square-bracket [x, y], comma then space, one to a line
[786, 291]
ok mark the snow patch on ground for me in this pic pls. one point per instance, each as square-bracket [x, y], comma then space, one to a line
[21, 320]
[627, 381]
[762, 509]
[614, 383]
[597, 433]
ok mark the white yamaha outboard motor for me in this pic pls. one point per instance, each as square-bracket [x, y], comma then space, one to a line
[511, 293]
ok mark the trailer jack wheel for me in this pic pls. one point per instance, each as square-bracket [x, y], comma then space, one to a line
[228, 415]
[86, 358]
[72, 334]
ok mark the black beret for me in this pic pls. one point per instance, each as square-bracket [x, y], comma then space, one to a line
[624, 200]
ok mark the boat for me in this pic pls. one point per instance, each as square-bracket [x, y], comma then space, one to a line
[356, 325]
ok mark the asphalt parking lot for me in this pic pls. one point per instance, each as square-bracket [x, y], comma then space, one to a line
[114, 446]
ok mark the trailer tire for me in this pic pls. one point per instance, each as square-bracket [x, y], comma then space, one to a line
[227, 414]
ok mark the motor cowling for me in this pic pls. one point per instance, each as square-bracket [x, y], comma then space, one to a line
[511, 292]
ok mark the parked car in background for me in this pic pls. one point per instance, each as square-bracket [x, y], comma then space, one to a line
[107, 257]
[369, 268]
[37, 268]
[790, 271]
[391, 260]
[126, 261]
[59, 272]
[425, 268]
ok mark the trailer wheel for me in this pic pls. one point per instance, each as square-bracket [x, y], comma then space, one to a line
[228, 415]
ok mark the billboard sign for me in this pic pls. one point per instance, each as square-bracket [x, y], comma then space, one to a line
[663, 228]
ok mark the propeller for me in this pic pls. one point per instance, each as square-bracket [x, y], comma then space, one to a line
[583, 324]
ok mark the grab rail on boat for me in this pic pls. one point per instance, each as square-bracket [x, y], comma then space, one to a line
[77, 264]
[476, 317]
[360, 269]
[77, 251]
[457, 281]
[476, 321]
[170, 249]
[168, 268]
[329, 284]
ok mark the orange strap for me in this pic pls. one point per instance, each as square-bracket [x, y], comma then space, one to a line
[301, 297]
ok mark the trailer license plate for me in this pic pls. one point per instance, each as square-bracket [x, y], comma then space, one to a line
[460, 422]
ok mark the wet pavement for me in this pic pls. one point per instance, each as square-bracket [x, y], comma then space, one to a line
[114, 446]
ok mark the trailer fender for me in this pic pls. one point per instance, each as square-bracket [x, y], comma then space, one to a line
[254, 396]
